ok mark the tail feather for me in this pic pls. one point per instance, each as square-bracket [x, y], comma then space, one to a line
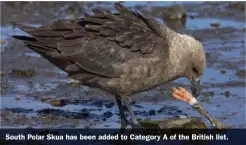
[24, 38]
[23, 27]
[49, 53]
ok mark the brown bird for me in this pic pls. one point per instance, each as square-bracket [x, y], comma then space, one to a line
[123, 53]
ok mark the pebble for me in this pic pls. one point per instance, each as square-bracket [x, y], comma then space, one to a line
[109, 105]
[107, 114]
[2, 42]
[152, 112]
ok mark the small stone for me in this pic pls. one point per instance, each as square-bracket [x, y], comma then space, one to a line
[84, 110]
[174, 12]
[19, 110]
[222, 71]
[107, 114]
[36, 14]
[58, 102]
[152, 112]
[138, 106]
[207, 54]
[187, 123]
[232, 113]
[227, 94]
[214, 24]
[241, 73]
[244, 29]
[2, 74]
[109, 105]
[179, 111]
[237, 5]
[2, 42]
[74, 84]
[208, 94]
[72, 17]
[23, 73]
[98, 103]
[160, 110]
[43, 99]
[17, 98]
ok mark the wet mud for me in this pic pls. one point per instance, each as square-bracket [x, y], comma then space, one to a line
[36, 94]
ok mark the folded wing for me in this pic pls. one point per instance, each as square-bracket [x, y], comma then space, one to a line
[95, 43]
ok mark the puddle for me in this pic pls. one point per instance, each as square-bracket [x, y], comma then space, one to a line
[204, 23]
[212, 75]
[32, 54]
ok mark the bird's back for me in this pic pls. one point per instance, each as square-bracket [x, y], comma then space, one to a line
[120, 53]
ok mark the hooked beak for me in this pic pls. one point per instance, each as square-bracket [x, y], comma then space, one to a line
[195, 87]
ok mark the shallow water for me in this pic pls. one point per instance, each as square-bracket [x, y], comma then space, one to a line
[229, 109]
[203, 23]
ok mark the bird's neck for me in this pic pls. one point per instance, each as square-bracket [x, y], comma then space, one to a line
[178, 56]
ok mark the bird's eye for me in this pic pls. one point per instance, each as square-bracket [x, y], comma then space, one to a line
[194, 70]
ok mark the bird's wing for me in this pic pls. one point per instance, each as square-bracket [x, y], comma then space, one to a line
[128, 29]
[96, 43]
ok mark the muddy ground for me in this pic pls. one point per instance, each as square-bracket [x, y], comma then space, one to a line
[36, 94]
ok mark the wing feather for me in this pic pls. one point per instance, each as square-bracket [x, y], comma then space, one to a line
[94, 44]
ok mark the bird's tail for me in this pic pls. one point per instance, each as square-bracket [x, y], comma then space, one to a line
[23, 27]
[44, 50]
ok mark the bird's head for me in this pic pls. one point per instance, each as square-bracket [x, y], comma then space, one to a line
[195, 65]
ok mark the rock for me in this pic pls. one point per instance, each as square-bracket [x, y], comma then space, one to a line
[2, 74]
[184, 123]
[222, 71]
[175, 12]
[19, 110]
[107, 114]
[2, 41]
[138, 106]
[208, 94]
[43, 99]
[214, 24]
[237, 5]
[72, 17]
[62, 113]
[98, 103]
[36, 14]
[23, 73]
[74, 84]
[17, 98]
[241, 73]
[58, 102]
[227, 94]
[244, 29]
[175, 24]
[109, 105]
[152, 112]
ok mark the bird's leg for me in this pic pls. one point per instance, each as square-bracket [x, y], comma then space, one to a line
[124, 121]
[135, 123]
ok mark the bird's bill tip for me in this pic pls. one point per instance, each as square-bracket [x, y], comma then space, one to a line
[195, 87]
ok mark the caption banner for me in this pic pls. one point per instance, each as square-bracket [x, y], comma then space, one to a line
[227, 136]
[137, 137]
